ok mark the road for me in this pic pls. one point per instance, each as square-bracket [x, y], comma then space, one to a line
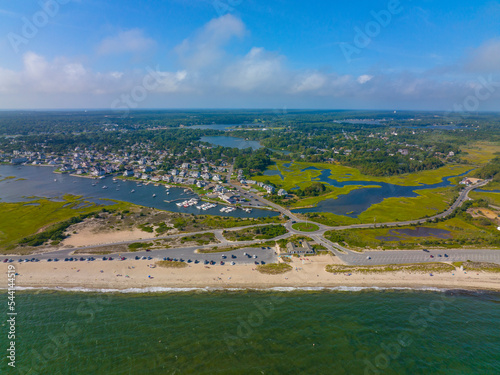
[268, 255]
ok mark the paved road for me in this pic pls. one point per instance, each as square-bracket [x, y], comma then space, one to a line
[419, 256]
[267, 255]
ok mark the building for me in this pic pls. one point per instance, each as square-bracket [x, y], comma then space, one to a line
[128, 173]
[304, 249]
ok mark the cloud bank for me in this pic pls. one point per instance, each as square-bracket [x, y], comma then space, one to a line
[209, 74]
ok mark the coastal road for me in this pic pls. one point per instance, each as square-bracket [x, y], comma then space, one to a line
[266, 255]
[419, 256]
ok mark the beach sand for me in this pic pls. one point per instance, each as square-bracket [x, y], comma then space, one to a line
[87, 236]
[138, 274]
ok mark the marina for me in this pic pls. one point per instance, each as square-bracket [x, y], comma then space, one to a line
[34, 181]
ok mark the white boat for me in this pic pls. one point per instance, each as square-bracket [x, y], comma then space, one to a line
[132, 191]
[154, 195]
[104, 187]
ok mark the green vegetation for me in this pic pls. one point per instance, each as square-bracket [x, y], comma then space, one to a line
[305, 227]
[27, 222]
[255, 233]
[489, 171]
[139, 245]
[200, 238]
[274, 268]
[480, 266]
[463, 231]
[146, 228]
[409, 268]
[257, 162]
[491, 198]
[171, 264]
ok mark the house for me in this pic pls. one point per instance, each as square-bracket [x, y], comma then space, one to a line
[269, 189]
[282, 193]
[304, 249]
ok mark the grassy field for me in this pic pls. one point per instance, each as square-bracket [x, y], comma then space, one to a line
[492, 198]
[410, 268]
[19, 220]
[480, 152]
[305, 227]
[461, 232]
[429, 202]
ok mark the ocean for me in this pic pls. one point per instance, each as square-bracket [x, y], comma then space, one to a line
[338, 331]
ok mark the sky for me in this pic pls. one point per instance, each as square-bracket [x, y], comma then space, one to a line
[117, 54]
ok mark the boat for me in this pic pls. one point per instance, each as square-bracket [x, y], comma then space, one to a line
[168, 192]
[55, 179]
[154, 195]
[104, 187]
[132, 191]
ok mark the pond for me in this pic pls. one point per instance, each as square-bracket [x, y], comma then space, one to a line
[401, 234]
[234, 142]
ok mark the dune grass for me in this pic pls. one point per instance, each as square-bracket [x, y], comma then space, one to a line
[171, 264]
[410, 268]
[274, 268]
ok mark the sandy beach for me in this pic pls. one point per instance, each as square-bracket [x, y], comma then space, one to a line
[141, 274]
[88, 236]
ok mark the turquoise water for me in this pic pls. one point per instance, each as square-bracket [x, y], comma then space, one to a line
[250, 332]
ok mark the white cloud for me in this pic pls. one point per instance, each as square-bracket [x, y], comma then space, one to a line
[364, 78]
[206, 48]
[130, 41]
[209, 73]
[259, 70]
[485, 58]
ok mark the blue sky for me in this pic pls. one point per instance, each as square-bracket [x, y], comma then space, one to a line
[407, 54]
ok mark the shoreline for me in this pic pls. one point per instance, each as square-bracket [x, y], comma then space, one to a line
[144, 277]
